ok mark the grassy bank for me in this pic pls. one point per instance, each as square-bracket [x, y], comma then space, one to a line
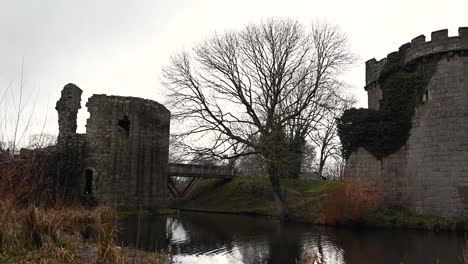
[317, 202]
[64, 235]
[252, 195]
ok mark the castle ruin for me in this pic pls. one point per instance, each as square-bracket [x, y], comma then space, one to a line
[122, 160]
[429, 173]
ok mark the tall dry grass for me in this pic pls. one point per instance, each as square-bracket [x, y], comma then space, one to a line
[106, 227]
[35, 228]
[19, 184]
[44, 231]
[54, 235]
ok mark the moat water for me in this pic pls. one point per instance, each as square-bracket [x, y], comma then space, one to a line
[217, 238]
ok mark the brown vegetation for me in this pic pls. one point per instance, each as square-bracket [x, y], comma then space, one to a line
[31, 234]
[349, 202]
[37, 227]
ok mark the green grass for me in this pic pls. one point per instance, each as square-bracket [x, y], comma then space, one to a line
[253, 195]
[305, 201]
[405, 218]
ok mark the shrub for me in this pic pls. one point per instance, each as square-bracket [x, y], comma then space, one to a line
[349, 202]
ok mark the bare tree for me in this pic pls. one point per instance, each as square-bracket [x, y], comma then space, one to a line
[325, 135]
[42, 140]
[335, 168]
[237, 93]
[17, 115]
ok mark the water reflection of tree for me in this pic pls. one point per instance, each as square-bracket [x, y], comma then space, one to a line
[256, 239]
[261, 240]
[320, 243]
[208, 233]
[285, 244]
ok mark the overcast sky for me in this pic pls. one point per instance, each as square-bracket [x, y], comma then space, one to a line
[119, 46]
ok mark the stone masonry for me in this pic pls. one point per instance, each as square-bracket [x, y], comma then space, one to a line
[123, 157]
[67, 108]
[70, 145]
[429, 174]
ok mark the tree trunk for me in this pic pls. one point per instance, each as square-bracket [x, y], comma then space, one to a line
[323, 159]
[278, 194]
[276, 154]
[321, 165]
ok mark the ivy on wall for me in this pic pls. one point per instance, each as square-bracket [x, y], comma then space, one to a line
[384, 131]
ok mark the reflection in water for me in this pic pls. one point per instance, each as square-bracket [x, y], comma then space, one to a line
[210, 238]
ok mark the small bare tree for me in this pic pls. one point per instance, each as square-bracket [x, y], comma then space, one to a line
[325, 135]
[42, 140]
[239, 93]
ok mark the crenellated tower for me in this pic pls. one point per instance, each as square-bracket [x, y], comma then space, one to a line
[429, 173]
[416, 50]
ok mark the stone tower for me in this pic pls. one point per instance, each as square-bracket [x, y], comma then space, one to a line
[127, 151]
[429, 174]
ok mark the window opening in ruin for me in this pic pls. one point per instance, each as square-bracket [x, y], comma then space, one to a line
[426, 96]
[89, 181]
[125, 124]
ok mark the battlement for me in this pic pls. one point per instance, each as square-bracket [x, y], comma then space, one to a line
[373, 69]
[418, 47]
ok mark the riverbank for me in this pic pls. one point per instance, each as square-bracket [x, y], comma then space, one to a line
[253, 196]
[315, 202]
[64, 235]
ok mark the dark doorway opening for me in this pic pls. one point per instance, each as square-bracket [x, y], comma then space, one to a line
[89, 181]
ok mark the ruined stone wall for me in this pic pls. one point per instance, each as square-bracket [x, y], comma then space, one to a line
[68, 154]
[127, 150]
[67, 108]
[430, 173]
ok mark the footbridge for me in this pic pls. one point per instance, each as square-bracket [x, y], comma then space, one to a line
[182, 178]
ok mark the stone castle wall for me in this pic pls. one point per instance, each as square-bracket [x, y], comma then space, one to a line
[127, 150]
[430, 173]
[122, 159]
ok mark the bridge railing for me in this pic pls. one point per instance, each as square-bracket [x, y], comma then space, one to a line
[200, 171]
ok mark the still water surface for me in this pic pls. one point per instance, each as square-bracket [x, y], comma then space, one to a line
[217, 238]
